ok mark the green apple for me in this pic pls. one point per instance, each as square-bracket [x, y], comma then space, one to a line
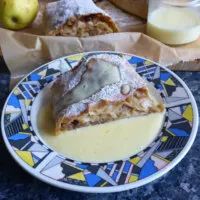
[18, 14]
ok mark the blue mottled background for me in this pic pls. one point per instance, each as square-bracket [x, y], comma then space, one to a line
[183, 182]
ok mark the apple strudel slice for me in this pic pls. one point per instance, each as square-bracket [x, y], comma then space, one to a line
[99, 89]
[80, 18]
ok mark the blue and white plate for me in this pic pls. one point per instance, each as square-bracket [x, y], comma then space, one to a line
[173, 142]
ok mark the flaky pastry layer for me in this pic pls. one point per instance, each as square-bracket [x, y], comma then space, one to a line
[106, 111]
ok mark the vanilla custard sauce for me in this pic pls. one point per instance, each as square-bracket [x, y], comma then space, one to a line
[101, 143]
[174, 25]
[107, 142]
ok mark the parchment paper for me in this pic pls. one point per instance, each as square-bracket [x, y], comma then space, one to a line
[136, 7]
[23, 51]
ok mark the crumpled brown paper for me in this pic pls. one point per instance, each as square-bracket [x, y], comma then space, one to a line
[24, 51]
[136, 7]
[125, 21]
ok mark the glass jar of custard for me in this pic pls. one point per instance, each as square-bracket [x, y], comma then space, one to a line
[174, 22]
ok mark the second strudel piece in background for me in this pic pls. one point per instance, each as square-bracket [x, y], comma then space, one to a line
[80, 18]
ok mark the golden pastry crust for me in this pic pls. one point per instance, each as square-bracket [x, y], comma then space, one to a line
[100, 89]
[106, 111]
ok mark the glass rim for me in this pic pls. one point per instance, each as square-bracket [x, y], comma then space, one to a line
[179, 3]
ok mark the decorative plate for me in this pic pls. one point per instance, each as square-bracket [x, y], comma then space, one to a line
[173, 142]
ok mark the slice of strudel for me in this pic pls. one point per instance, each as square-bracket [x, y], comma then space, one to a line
[101, 88]
[80, 18]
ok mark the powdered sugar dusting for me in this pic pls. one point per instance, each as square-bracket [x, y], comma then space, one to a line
[73, 78]
[126, 70]
[60, 11]
[109, 92]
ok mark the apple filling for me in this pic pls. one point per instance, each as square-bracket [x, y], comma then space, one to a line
[105, 111]
[84, 26]
[101, 88]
